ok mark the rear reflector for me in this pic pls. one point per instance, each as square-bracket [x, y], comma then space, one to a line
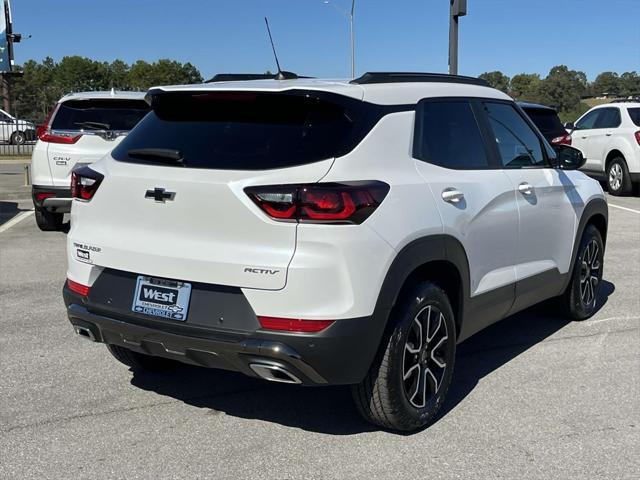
[78, 288]
[339, 203]
[293, 324]
[42, 195]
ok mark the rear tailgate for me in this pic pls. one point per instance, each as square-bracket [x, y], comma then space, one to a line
[210, 231]
[96, 127]
[191, 219]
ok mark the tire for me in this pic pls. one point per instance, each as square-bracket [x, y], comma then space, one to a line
[49, 221]
[140, 361]
[618, 178]
[394, 393]
[18, 138]
[581, 296]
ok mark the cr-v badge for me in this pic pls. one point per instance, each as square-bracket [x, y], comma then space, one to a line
[160, 194]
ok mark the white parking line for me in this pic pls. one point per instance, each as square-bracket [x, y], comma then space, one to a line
[15, 220]
[624, 208]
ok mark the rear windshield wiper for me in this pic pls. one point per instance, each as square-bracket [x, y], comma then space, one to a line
[161, 155]
[94, 125]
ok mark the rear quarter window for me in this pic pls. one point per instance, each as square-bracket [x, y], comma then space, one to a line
[634, 113]
[99, 114]
[247, 130]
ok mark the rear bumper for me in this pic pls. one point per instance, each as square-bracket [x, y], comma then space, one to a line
[339, 355]
[59, 202]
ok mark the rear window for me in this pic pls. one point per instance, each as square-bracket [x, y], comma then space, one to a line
[103, 114]
[634, 113]
[547, 121]
[246, 130]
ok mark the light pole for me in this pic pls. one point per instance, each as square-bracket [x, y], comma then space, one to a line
[349, 16]
[458, 9]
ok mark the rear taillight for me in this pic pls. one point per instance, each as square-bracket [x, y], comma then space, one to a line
[78, 288]
[59, 137]
[339, 203]
[562, 140]
[45, 134]
[293, 324]
[85, 183]
[638, 137]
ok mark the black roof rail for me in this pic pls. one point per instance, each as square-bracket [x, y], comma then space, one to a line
[626, 100]
[238, 77]
[402, 77]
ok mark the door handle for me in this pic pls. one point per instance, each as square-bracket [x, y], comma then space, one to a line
[583, 138]
[526, 188]
[608, 134]
[452, 195]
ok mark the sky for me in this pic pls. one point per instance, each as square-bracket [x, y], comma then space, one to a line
[312, 38]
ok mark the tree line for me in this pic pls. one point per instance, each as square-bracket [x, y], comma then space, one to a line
[565, 89]
[44, 83]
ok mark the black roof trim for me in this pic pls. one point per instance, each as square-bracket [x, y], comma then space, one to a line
[410, 77]
[239, 77]
[535, 106]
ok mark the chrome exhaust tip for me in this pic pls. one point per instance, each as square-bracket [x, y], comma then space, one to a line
[274, 373]
[84, 332]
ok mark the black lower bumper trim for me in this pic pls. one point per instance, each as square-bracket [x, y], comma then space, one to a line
[236, 356]
[59, 202]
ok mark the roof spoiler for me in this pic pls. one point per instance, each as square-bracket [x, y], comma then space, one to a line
[239, 77]
[411, 77]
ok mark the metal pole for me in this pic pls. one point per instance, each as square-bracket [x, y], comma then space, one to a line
[453, 43]
[353, 47]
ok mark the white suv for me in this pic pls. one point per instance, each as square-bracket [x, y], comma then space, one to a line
[609, 137]
[81, 128]
[329, 232]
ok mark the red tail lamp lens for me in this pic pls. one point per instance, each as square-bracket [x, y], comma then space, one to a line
[562, 140]
[340, 203]
[53, 137]
[294, 324]
[42, 195]
[78, 288]
[85, 183]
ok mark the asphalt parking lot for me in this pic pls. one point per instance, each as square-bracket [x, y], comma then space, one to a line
[533, 396]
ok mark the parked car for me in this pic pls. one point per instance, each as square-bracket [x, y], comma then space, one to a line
[323, 232]
[81, 128]
[609, 137]
[14, 130]
[548, 122]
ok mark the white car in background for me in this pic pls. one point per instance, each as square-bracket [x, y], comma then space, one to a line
[81, 128]
[15, 131]
[609, 137]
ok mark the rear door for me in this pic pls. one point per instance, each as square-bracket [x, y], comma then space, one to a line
[95, 126]
[602, 135]
[547, 203]
[581, 139]
[475, 198]
[205, 228]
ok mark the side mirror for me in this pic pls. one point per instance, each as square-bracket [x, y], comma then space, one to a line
[568, 158]
[569, 126]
